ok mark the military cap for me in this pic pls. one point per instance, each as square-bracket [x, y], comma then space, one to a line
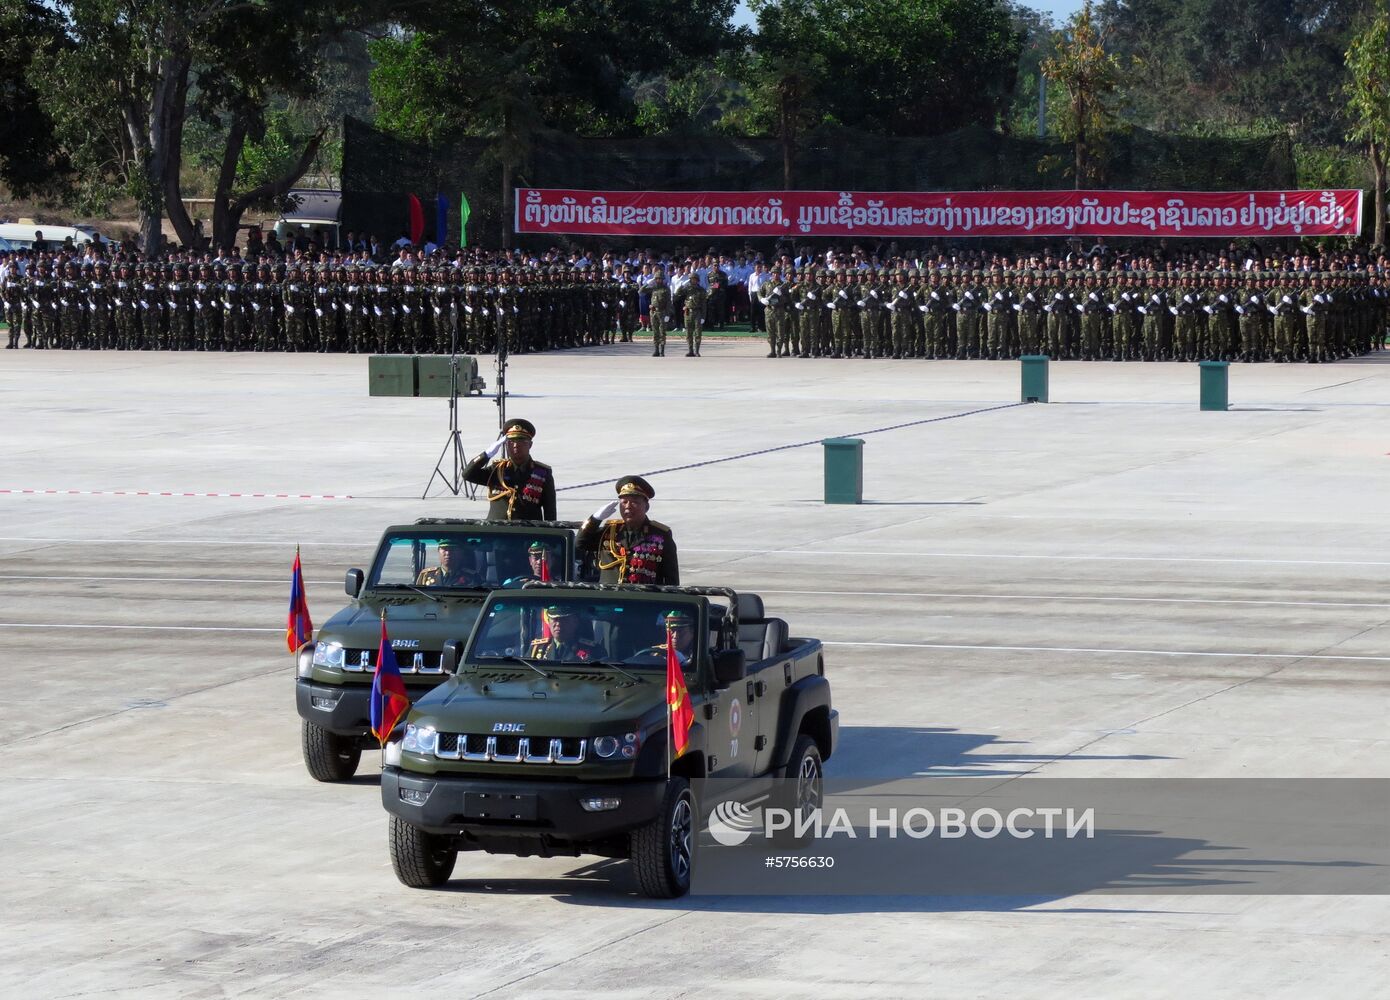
[537, 547]
[678, 618]
[635, 486]
[516, 428]
[449, 542]
[555, 611]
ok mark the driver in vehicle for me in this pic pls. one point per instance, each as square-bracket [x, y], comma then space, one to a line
[680, 633]
[540, 566]
[451, 571]
[563, 641]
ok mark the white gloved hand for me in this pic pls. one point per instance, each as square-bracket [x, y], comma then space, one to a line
[606, 511]
[496, 448]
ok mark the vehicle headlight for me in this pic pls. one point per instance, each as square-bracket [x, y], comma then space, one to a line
[328, 654]
[420, 739]
[304, 662]
[624, 746]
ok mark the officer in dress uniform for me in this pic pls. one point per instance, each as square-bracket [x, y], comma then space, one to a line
[518, 487]
[563, 641]
[451, 571]
[631, 548]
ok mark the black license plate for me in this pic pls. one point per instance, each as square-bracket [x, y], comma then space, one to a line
[499, 805]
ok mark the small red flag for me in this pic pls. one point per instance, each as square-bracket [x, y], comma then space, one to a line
[678, 708]
[545, 567]
[299, 629]
[417, 220]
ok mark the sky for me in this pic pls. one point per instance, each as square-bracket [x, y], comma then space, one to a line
[1059, 9]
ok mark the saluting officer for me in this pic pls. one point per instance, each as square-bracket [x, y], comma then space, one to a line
[518, 487]
[631, 548]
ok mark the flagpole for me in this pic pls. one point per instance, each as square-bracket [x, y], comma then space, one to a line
[670, 719]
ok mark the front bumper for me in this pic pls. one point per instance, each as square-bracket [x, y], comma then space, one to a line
[524, 817]
[341, 709]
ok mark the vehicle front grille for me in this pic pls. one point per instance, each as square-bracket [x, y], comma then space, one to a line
[479, 748]
[359, 661]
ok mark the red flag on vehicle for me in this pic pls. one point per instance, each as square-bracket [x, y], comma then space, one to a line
[390, 701]
[679, 712]
[417, 219]
[299, 629]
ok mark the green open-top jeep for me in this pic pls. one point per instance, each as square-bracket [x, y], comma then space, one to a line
[430, 579]
[549, 736]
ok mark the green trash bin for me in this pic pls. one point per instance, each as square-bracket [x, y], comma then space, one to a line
[1034, 369]
[391, 375]
[1215, 388]
[844, 470]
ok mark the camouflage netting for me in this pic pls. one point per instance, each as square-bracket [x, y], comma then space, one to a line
[379, 169]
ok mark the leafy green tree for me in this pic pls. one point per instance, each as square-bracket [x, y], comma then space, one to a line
[1203, 61]
[130, 73]
[897, 67]
[1368, 97]
[1091, 78]
[30, 158]
[464, 67]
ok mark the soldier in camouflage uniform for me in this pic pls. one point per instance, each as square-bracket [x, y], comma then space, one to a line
[659, 312]
[694, 300]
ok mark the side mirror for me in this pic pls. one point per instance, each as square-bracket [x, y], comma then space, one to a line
[729, 666]
[452, 655]
[352, 583]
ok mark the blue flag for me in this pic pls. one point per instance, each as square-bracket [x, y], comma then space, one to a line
[441, 218]
[390, 701]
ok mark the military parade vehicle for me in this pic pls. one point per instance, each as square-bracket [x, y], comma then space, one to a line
[550, 734]
[430, 579]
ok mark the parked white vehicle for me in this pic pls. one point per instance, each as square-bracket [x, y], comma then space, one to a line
[23, 235]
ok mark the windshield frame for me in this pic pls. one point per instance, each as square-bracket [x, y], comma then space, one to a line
[700, 668]
[430, 533]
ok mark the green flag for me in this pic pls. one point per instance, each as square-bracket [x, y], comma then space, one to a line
[464, 212]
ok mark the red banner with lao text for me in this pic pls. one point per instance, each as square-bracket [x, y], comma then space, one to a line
[941, 214]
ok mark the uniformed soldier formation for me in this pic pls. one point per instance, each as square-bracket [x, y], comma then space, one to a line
[1088, 315]
[355, 307]
[866, 312]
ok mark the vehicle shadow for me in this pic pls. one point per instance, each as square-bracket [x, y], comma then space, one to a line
[880, 753]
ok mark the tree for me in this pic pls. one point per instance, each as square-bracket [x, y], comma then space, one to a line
[896, 67]
[1091, 78]
[1205, 63]
[1368, 97]
[121, 90]
[30, 159]
[786, 72]
[466, 67]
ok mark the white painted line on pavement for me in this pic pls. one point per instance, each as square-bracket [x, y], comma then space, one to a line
[1112, 651]
[1054, 597]
[808, 553]
[173, 493]
[149, 628]
[800, 593]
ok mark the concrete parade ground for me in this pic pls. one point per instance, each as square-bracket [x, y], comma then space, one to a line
[1114, 584]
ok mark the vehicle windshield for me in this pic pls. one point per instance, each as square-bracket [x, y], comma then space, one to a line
[545, 628]
[470, 559]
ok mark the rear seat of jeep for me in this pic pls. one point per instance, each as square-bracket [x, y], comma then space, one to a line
[761, 638]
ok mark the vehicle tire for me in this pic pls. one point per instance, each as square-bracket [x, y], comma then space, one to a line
[805, 784]
[328, 756]
[418, 858]
[663, 850]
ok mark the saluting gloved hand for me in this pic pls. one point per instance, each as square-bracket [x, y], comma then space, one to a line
[496, 448]
[606, 511]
